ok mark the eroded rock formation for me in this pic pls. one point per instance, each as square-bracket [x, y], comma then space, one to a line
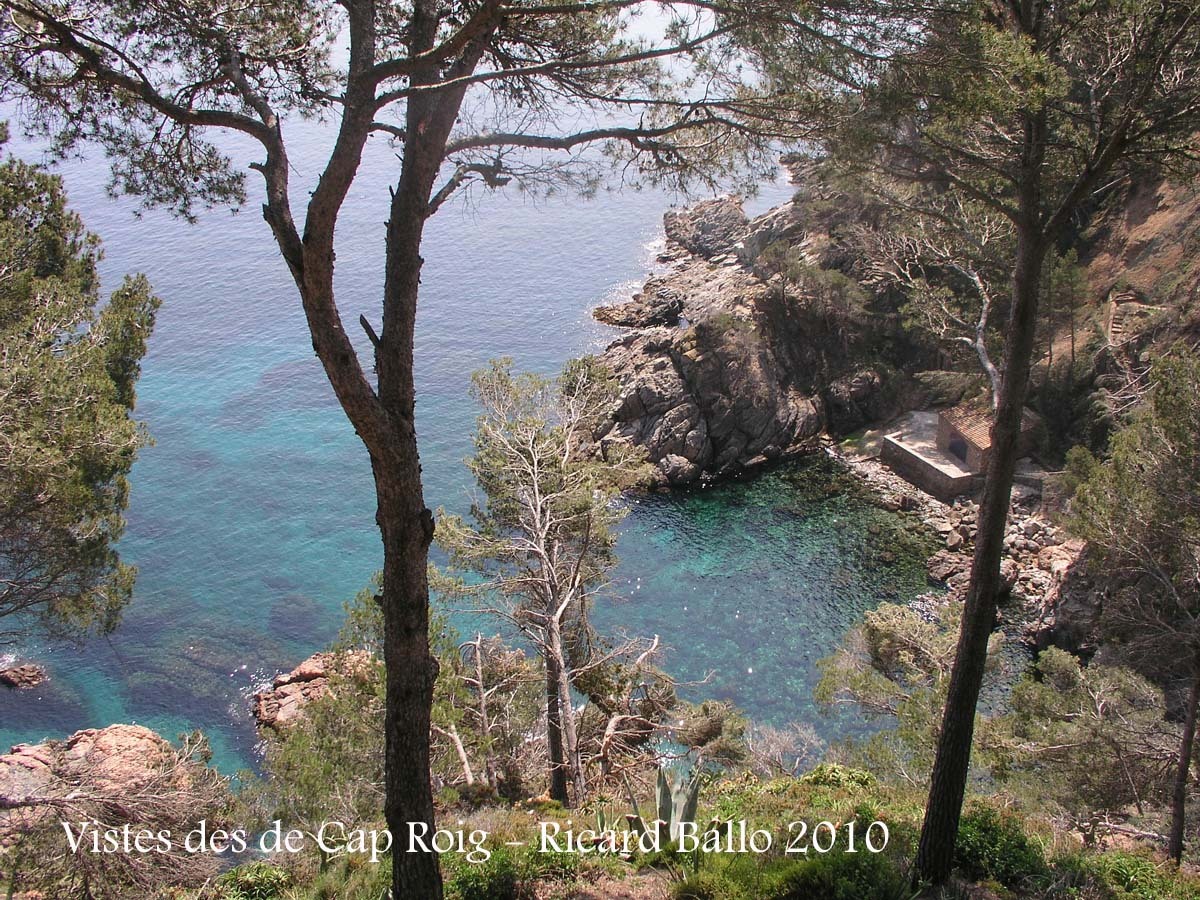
[22, 675]
[723, 369]
[280, 705]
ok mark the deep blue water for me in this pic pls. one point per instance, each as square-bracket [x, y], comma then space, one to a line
[251, 518]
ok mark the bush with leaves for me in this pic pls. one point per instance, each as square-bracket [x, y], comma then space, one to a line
[895, 667]
[993, 845]
[1089, 744]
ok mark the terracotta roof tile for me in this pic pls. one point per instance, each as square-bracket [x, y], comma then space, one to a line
[975, 423]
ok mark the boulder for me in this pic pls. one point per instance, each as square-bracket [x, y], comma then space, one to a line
[119, 759]
[944, 565]
[281, 705]
[23, 675]
[853, 400]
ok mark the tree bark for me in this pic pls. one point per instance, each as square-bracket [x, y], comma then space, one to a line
[567, 717]
[1183, 771]
[554, 734]
[935, 855]
[407, 528]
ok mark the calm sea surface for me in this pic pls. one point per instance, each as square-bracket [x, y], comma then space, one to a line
[251, 518]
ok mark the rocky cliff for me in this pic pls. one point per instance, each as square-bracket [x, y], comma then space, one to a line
[727, 364]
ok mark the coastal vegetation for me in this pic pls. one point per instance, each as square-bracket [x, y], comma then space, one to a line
[70, 365]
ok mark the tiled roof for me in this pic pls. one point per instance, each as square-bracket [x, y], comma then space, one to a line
[975, 423]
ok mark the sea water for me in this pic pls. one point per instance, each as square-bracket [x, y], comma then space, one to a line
[251, 518]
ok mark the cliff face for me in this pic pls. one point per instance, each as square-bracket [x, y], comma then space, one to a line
[724, 367]
[733, 358]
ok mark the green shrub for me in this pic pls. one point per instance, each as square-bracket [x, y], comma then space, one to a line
[1120, 875]
[840, 876]
[253, 881]
[994, 845]
[709, 886]
[507, 875]
[497, 879]
[838, 776]
[350, 877]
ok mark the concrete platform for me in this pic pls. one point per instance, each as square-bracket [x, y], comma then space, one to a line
[910, 449]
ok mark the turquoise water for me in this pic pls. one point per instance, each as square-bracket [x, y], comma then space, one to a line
[251, 518]
[750, 583]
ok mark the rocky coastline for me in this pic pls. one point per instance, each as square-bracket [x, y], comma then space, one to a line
[710, 384]
[1050, 594]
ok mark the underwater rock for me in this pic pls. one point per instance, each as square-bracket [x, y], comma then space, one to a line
[23, 675]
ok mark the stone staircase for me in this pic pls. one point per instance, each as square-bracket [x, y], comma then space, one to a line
[1126, 313]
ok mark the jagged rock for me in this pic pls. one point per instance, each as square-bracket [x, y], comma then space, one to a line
[280, 705]
[780, 224]
[941, 526]
[677, 469]
[24, 675]
[1009, 573]
[944, 565]
[715, 394]
[707, 229]
[658, 304]
[853, 400]
[730, 367]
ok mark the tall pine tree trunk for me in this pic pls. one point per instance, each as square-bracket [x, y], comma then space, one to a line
[411, 671]
[935, 855]
[1183, 770]
[405, 523]
[406, 526]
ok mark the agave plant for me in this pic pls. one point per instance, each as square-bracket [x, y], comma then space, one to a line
[675, 801]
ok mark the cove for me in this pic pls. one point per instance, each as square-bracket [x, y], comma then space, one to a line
[251, 517]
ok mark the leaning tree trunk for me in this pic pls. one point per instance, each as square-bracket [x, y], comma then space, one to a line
[555, 745]
[1183, 771]
[570, 737]
[935, 855]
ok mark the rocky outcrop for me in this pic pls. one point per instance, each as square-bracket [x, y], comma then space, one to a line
[658, 304]
[281, 705]
[117, 760]
[708, 229]
[22, 675]
[716, 375]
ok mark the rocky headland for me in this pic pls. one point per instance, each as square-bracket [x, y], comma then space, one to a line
[756, 341]
[722, 368]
